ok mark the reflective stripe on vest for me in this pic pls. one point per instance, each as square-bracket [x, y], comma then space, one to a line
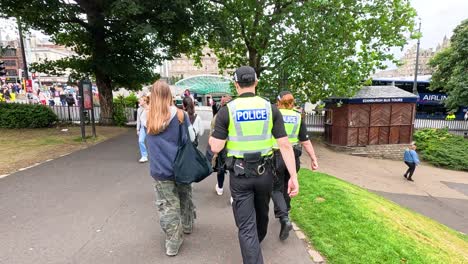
[250, 124]
[292, 123]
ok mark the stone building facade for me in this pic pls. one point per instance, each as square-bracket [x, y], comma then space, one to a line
[41, 49]
[13, 60]
[184, 67]
[408, 62]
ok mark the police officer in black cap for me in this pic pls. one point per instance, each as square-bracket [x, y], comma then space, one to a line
[247, 128]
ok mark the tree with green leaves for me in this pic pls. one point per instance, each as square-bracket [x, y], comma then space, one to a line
[313, 48]
[451, 68]
[117, 42]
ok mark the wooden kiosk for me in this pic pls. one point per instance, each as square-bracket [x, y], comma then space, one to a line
[376, 115]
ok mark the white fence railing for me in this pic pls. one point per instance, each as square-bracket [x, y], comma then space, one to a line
[315, 123]
[459, 127]
[72, 113]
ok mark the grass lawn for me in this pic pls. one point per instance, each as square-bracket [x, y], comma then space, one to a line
[24, 147]
[348, 224]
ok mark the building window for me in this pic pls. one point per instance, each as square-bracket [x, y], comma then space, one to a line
[11, 73]
[10, 53]
[10, 62]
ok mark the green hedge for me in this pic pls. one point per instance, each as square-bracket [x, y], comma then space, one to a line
[26, 116]
[440, 148]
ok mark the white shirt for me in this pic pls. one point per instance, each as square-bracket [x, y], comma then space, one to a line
[141, 118]
[198, 126]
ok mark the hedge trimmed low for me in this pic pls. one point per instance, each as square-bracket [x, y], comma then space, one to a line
[26, 116]
[442, 149]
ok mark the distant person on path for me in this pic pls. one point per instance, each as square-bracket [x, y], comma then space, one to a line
[188, 94]
[411, 159]
[216, 106]
[63, 98]
[174, 200]
[70, 99]
[219, 160]
[450, 116]
[299, 138]
[42, 97]
[6, 94]
[195, 120]
[141, 125]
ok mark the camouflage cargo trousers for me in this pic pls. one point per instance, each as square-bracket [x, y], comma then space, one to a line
[176, 211]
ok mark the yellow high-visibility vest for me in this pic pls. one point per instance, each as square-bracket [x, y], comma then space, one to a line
[292, 124]
[250, 124]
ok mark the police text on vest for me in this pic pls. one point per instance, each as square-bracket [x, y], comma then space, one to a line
[251, 115]
[290, 119]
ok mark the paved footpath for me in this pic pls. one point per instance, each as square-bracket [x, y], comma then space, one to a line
[437, 193]
[97, 206]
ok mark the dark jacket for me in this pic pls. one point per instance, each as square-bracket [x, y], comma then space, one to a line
[162, 149]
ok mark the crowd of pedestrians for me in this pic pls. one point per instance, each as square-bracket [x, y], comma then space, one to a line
[48, 95]
[256, 143]
[9, 92]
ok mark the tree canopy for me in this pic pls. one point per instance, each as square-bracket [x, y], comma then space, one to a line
[313, 48]
[118, 42]
[451, 68]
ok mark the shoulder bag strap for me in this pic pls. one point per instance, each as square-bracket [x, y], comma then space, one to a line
[180, 117]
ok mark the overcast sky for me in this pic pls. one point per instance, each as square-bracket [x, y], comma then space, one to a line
[439, 18]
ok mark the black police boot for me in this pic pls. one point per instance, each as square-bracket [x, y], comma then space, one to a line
[286, 226]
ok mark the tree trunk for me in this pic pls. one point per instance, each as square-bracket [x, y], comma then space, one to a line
[254, 60]
[105, 99]
[96, 22]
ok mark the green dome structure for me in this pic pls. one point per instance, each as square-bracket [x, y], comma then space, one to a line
[207, 84]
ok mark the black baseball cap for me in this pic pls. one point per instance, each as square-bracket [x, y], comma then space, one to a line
[245, 74]
[283, 93]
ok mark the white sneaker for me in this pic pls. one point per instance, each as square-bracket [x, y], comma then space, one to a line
[143, 159]
[232, 200]
[219, 191]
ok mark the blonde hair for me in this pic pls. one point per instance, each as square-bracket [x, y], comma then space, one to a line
[286, 102]
[159, 108]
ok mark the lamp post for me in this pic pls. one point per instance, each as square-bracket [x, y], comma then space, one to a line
[415, 83]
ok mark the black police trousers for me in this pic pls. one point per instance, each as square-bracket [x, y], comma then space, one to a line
[280, 196]
[251, 199]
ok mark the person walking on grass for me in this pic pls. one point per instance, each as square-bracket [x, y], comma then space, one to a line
[173, 199]
[195, 120]
[142, 113]
[298, 137]
[411, 159]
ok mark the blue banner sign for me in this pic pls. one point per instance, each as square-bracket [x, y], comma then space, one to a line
[428, 98]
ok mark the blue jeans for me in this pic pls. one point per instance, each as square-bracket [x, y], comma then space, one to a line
[141, 142]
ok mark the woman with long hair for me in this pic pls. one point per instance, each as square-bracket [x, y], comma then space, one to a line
[195, 120]
[298, 137]
[142, 117]
[174, 200]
